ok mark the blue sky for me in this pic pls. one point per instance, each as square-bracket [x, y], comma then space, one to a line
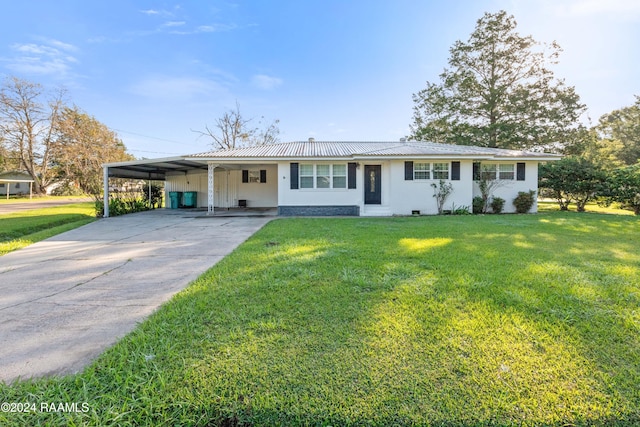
[154, 71]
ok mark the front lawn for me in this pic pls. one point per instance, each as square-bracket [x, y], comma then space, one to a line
[448, 320]
[21, 229]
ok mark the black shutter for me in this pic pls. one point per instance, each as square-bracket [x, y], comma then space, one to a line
[263, 176]
[455, 171]
[245, 175]
[351, 175]
[408, 171]
[520, 171]
[476, 171]
[293, 169]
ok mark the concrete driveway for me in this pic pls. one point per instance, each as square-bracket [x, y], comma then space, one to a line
[64, 300]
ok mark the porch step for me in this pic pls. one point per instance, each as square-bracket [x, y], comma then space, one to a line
[376, 211]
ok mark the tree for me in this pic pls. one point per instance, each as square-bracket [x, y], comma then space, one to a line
[81, 145]
[619, 133]
[498, 92]
[232, 130]
[572, 179]
[28, 118]
[623, 186]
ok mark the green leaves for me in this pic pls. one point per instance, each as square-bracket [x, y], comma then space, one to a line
[498, 92]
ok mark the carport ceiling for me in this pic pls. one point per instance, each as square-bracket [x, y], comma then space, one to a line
[155, 170]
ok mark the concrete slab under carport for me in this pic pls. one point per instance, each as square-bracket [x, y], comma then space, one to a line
[64, 300]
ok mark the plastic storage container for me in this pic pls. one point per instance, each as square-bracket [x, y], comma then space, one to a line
[190, 199]
[174, 199]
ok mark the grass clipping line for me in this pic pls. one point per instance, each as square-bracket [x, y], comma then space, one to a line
[492, 320]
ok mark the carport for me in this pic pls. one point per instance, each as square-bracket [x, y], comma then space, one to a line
[151, 170]
[216, 181]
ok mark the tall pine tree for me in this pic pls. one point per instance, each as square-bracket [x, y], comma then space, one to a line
[498, 92]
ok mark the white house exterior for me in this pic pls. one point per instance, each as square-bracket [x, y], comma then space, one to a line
[341, 178]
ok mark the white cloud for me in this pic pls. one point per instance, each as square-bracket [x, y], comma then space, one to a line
[150, 12]
[174, 24]
[51, 57]
[168, 87]
[262, 81]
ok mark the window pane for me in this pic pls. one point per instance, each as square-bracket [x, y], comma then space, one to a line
[322, 170]
[421, 170]
[506, 172]
[323, 182]
[489, 172]
[339, 182]
[306, 170]
[306, 182]
[441, 171]
[339, 170]
[254, 176]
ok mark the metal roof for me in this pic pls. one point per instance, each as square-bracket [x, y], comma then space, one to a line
[156, 169]
[332, 149]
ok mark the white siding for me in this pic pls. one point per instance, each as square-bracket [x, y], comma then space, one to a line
[408, 196]
[258, 194]
[316, 196]
[228, 187]
[508, 189]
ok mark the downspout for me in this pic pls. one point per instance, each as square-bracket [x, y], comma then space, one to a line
[105, 179]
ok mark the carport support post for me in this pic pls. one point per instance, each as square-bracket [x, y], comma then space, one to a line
[210, 189]
[105, 180]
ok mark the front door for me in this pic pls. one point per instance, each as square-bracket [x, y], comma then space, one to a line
[372, 181]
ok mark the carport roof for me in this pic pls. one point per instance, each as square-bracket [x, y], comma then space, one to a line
[155, 169]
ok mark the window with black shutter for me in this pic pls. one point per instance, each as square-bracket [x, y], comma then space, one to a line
[455, 171]
[351, 175]
[293, 172]
[263, 176]
[408, 171]
[476, 171]
[245, 176]
[520, 171]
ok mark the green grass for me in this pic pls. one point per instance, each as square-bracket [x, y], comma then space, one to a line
[452, 320]
[21, 229]
[591, 207]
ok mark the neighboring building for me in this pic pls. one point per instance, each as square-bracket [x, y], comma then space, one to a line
[15, 183]
[340, 178]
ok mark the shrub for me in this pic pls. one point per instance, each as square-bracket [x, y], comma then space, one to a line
[441, 191]
[478, 205]
[524, 200]
[497, 205]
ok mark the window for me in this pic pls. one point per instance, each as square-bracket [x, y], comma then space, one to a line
[339, 176]
[441, 171]
[421, 170]
[254, 176]
[489, 172]
[17, 185]
[306, 176]
[323, 176]
[506, 171]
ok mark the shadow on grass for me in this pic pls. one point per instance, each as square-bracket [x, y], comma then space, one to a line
[519, 320]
